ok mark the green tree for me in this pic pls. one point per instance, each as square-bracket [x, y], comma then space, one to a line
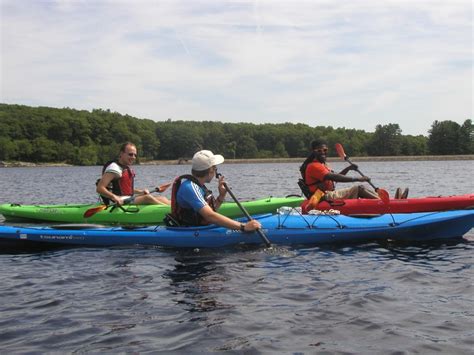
[414, 145]
[230, 149]
[66, 152]
[8, 149]
[44, 150]
[246, 147]
[87, 155]
[25, 150]
[150, 145]
[280, 151]
[386, 140]
[444, 138]
[466, 138]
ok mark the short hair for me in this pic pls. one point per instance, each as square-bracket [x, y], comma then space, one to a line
[200, 173]
[318, 143]
[124, 146]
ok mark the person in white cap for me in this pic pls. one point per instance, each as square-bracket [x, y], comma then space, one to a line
[192, 204]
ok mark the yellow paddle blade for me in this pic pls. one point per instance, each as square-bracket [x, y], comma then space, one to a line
[92, 211]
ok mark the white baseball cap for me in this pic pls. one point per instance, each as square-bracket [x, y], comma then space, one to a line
[204, 159]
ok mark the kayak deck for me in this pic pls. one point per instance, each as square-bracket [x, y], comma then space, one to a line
[130, 214]
[409, 205]
[284, 229]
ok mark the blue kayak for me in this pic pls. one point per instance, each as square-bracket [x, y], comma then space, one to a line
[285, 229]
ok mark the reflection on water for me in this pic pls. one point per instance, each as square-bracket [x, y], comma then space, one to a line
[197, 282]
[248, 181]
[364, 298]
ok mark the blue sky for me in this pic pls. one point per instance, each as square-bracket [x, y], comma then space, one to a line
[352, 64]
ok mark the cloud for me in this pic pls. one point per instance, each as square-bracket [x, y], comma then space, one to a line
[351, 64]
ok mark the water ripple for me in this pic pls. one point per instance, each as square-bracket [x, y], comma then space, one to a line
[361, 299]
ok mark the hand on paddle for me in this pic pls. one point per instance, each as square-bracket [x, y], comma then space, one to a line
[163, 187]
[119, 201]
[363, 178]
[353, 167]
[383, 194]
[221, 185]
[252, 224]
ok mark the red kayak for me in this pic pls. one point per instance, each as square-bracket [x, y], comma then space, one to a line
[364, 206]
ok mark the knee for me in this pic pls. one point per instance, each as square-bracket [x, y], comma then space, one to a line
[149, 199]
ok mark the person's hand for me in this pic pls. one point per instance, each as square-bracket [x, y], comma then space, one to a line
[118, 201]
[145, 191]
[353, 166]
[364, 178]
[252, 225]
[221, 187]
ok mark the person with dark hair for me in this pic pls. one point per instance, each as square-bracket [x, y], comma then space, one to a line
[318, 177]
[192, 204]
[117, 182]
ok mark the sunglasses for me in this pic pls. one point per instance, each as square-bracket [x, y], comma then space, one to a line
[321, 150]
[132, 155]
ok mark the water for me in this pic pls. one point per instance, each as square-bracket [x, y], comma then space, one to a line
[368, 298]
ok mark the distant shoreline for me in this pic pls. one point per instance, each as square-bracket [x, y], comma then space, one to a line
[19, 164]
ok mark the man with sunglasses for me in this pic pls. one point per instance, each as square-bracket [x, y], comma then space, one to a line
[117, 182]
[192, 204]
[320, 179]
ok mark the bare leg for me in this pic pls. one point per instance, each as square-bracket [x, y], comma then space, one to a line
[151, 200]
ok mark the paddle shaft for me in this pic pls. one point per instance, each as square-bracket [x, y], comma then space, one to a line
[383, 194]
[245, 212]
[370, 182]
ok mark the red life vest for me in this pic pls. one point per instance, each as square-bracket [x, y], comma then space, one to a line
[181, 216]
[309, 188]
[123, 186]
[316, 183]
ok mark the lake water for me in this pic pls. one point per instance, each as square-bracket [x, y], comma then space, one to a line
[369, 298]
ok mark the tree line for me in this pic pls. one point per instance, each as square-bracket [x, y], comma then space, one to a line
[79, 137]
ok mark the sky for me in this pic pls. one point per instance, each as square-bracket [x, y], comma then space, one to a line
[344, 63]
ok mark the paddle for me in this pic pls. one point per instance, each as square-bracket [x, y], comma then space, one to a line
[163, 187]
[245, 212]
[383, 194]
[92, 211]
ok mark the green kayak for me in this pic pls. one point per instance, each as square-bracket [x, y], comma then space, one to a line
[130, 214]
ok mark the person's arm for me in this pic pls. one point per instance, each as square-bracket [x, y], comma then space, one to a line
[102, 188]
[223, 221]
[349, 168]
[343, 178]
